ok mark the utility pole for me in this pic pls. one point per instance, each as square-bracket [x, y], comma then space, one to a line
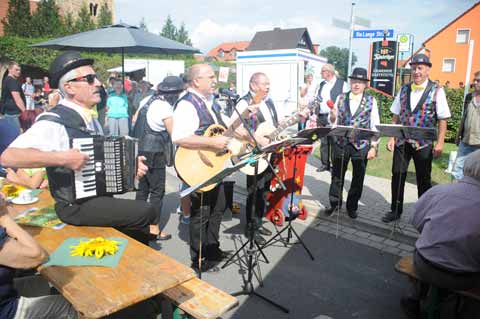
[352, 26]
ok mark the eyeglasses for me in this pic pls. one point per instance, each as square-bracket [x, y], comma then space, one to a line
[89, 78]
[476, 80]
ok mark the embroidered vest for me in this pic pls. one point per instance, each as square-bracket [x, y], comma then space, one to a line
[204, 115]
[361, 118]
[424, 113]
[259, 118]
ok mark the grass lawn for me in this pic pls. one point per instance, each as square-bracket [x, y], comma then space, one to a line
[382, 165]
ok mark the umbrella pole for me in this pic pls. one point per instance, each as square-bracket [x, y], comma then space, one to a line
[123, 70]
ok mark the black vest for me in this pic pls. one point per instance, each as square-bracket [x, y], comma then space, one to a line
[60, 179]
[271, 107]
[336, 90]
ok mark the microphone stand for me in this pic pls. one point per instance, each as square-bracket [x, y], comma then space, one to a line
[248, 288]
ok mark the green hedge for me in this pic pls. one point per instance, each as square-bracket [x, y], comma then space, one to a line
[455, 102]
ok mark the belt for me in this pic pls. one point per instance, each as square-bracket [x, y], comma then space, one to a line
[323, 114]
[444, 269]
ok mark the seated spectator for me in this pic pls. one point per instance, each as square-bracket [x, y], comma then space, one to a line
[18, 250]
[447, 252]
[32, 178]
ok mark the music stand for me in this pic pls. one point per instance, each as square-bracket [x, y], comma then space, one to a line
[347, 132]
[309, 136]
[405, 133]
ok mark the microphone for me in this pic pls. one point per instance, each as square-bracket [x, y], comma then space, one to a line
[228, 93]
[330, 104]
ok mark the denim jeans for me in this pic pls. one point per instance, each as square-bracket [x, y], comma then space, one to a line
[462, 153]
[14, 120]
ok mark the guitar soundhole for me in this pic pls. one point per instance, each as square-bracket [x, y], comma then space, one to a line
[216, 131]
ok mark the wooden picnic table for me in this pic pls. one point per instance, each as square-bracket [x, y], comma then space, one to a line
[99, 291]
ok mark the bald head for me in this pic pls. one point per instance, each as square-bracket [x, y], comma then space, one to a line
[202, 79]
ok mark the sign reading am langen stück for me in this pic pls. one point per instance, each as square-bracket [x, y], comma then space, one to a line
[383, 66]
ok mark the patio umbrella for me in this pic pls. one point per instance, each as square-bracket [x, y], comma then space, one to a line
[118, 38]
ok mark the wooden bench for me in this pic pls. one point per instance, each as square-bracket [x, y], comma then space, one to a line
[199, 300]
[405, 266]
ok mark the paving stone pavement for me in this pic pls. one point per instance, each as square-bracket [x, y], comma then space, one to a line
[367, 229]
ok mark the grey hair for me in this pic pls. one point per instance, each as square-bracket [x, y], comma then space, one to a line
[70, 75]
[328, 67]
[471, 167]
[255, 77]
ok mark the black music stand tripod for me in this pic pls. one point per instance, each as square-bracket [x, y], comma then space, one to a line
[405, 133]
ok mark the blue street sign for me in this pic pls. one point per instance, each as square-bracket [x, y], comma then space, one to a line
[366, 34]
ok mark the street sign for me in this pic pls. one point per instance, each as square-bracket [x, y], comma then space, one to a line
[404, 42]
[383, 66]
[342, 24]
[368, 34]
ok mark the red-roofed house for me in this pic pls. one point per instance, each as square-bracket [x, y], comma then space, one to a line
[227, 51]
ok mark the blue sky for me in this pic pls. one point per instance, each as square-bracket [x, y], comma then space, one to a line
[212, 22]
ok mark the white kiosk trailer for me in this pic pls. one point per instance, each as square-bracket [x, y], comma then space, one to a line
[285, 69]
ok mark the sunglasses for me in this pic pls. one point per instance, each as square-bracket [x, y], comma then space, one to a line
[89, 78]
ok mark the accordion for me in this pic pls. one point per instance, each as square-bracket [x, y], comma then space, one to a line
[111, 168]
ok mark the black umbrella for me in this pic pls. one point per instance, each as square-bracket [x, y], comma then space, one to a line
[118, 38]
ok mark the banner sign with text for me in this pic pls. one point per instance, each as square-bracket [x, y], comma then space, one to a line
[383, 66]
[367, 34]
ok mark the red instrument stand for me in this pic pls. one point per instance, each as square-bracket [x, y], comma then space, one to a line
[278, 200]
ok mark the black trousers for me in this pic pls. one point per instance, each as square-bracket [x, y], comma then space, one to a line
[443, 278]
[153, 184]
[325, 142]
[205, 219]
[254, 218]
[128, 216]
[359, 163]
[423, 170]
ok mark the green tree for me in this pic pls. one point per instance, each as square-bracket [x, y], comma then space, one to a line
[339, 58]
[182, 35]
[105, 16]
[143, 24]
[46, 21]
[84, 21]
[18, 19]
[169, 30]
[68, 24]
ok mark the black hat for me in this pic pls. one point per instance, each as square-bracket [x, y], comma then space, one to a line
[63, 63]
[359, 74]
[170, 84]
[421, 59]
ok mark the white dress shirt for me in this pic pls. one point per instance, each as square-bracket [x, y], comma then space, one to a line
[49, 136]
[185, 117]
[327, 87]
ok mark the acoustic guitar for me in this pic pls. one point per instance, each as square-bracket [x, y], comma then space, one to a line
[195, 166]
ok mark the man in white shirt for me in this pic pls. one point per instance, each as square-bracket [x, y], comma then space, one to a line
[328, 90]
[47, 144]
[194, 113]
[359, 110]
[418, 104]
[153, 127]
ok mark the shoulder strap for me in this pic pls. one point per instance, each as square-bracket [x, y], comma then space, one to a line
[73, 122]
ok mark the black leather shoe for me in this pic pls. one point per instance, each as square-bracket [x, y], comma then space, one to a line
[390, 217]
[352, 214]
[411, 307]
[259, 239]
[220, 255]
[323, 168]
[329, 211]
[263, 231]
[205, 266]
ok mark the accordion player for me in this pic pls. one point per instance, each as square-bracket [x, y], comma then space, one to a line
[111, 168]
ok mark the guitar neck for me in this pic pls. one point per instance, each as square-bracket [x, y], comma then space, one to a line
[283, 125]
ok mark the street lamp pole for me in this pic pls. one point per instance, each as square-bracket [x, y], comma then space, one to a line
[350, 53]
